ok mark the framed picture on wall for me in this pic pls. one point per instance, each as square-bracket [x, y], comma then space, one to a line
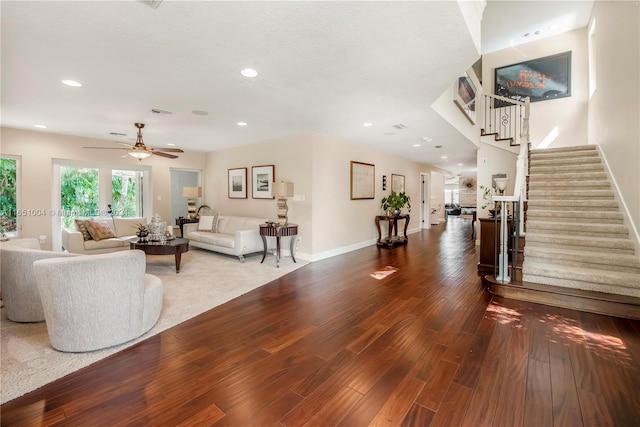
[238, 183]
[464, 96]
[262, 181]
[540, 79]
[397, 183]
[362, 180]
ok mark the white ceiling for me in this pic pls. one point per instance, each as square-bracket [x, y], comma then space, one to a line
[323, 67]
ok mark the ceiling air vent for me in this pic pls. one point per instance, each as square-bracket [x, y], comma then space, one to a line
[159, 111]
[399, 126]
[117, 134]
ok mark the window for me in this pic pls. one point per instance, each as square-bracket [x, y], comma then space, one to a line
[9, 203]
[85, 190]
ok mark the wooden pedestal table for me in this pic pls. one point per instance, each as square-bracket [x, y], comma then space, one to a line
[180, 222]
[278, 231]
[175, 247]
[392, 239]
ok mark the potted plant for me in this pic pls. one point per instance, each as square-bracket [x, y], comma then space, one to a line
[142, 231]
[394, 202]
[487, 196]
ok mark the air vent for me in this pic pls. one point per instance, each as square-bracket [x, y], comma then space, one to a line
[399, 126]
[117, 134]
[163, 112]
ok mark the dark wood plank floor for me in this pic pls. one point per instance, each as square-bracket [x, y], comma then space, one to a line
[421, 344]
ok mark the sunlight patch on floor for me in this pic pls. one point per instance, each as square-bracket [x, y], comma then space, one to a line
[385, 272]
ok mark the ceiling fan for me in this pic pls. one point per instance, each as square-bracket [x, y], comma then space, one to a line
[141, 151]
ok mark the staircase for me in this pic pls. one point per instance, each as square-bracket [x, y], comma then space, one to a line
[575, 236]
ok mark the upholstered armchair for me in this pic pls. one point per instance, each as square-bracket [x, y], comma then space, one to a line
[97, 301]
[19, 289]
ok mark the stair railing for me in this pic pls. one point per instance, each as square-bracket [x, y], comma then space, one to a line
[508, 120]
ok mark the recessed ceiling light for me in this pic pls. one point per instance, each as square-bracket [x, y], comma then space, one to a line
[367, 124]
[427, 139]
[242, 123]
[249, 72]
[40, 126]
[72, 83]
[171, 144]
[443, 157]
[417, 145]
[460, 164]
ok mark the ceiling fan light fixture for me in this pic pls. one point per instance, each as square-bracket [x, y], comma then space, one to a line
[138, 154]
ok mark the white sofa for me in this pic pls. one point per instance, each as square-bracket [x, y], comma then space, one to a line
[234, 235]
[73, 240]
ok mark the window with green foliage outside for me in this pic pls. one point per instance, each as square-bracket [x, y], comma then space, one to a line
[8, 197]
[80, 195]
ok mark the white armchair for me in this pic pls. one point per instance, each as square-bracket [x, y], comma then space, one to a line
[19, 289]
[97, 301]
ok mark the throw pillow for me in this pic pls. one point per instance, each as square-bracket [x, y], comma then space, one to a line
[205, 223]
[82, 227]
[99, 230]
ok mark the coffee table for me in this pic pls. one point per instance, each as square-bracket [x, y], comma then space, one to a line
[175, 247]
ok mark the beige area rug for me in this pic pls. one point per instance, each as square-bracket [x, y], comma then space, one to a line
[206, 280]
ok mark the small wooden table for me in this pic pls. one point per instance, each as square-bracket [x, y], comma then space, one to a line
[278, 231]
[180, 222]
[176, 247]
[392, 239]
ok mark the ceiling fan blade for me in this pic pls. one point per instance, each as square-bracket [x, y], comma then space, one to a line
[108, 148]
[169, 150]
[167, 155]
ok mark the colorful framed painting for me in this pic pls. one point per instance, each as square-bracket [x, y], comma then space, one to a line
[540, 79]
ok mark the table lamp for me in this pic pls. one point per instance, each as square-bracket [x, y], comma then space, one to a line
[282, 190]
[192, 193]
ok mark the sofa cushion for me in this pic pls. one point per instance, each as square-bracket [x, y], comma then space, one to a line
[81, 226]
[100, 229]
[113, 242]
[232, 224]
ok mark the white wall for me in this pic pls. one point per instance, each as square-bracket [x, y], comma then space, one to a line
[615, 105]
[38, 150]
[493, 160]
[291, 157]
[567, 116]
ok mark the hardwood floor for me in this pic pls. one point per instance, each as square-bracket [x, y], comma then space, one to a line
[420, 344]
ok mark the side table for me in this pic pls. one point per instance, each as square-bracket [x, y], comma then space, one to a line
[392, 239]
[180, 222]
[278, 231]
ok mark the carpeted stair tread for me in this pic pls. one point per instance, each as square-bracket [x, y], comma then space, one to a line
[574, 215]
[577, 154]
[582, 278]
[569, 161]
[573, 204]
[574, 257]
[570, 194]
[575, 168]
[584, 229]
[569, 176]
[597, 244]
[534, 184]
[563, 149]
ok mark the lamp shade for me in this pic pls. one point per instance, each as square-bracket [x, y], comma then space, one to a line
[282, 189]
[501, 183]
[192, 192]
